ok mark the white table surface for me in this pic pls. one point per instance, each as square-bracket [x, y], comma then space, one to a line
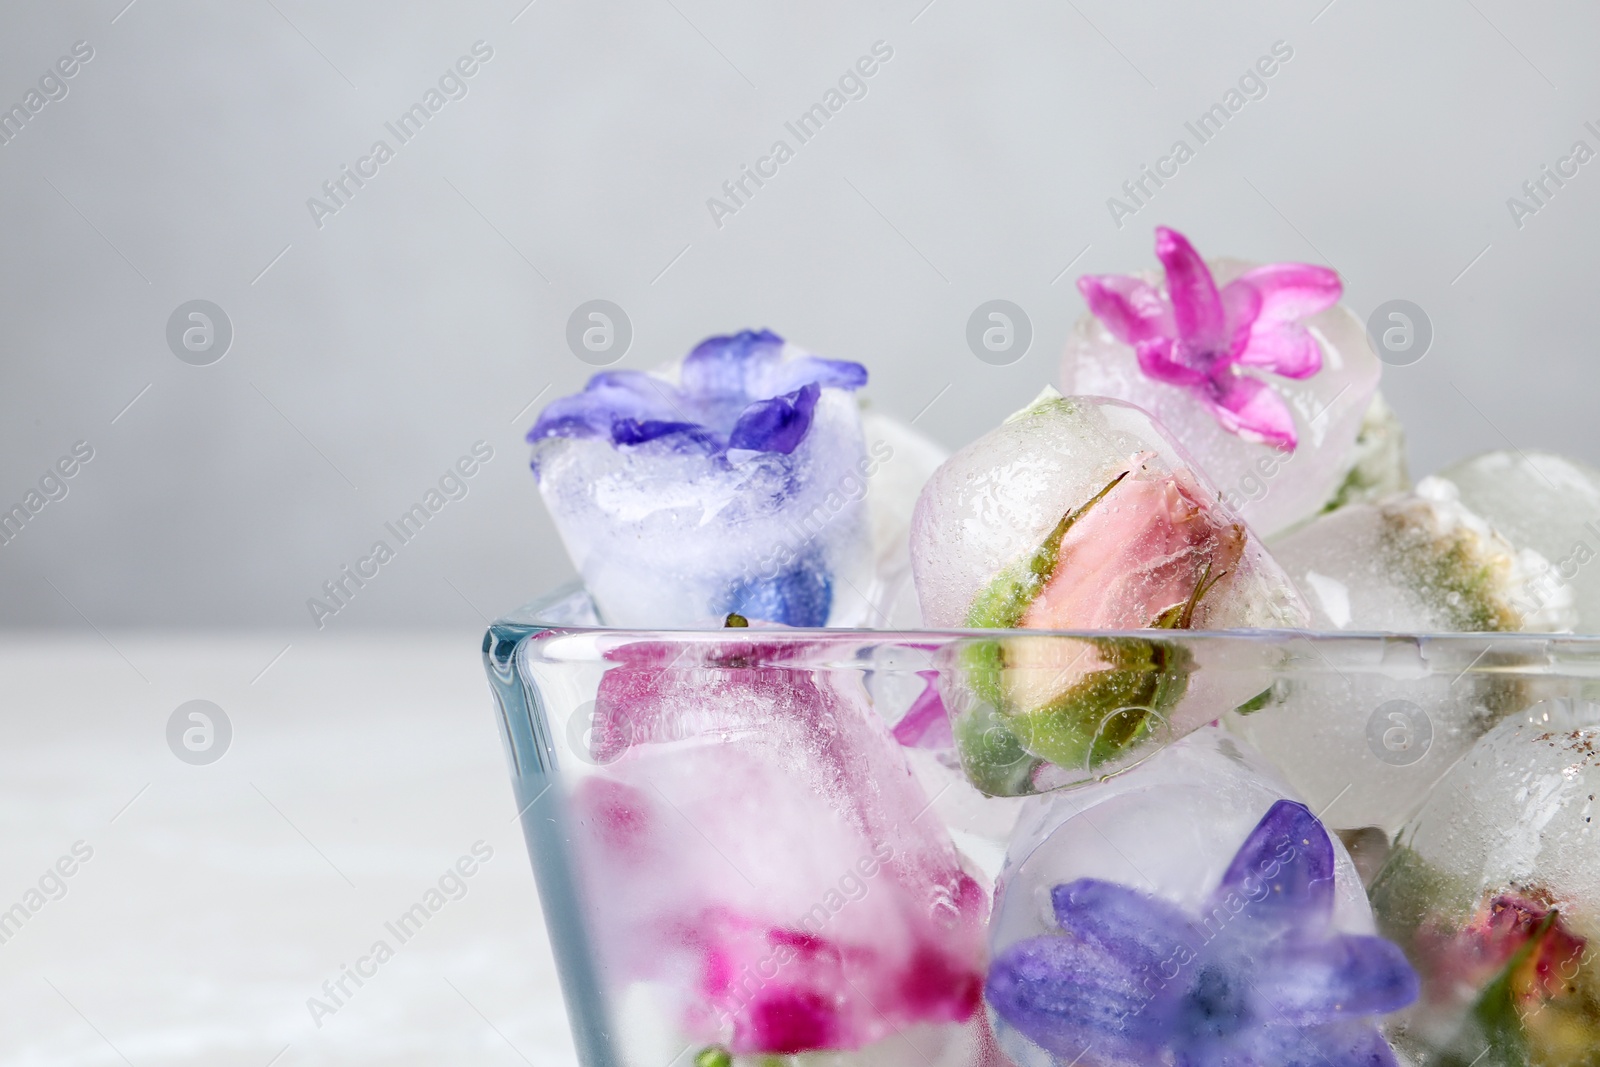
[219, 898]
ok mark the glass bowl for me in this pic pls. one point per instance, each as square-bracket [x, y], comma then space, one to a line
[725, 826]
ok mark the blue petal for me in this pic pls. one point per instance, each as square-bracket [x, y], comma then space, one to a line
[687, 437]
[1344, 1045]
[800, 596]
[609, 396]
[776, 425]
[1344, 976]
[1066, 995]
[1141, 930]
[722, 367]
[1284, 870]
[792, 374]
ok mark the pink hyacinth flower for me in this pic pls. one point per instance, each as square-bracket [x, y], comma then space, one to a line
[1201, 338]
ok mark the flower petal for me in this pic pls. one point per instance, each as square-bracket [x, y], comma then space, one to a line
[1137, 928]
[1294, 291]
[1290, 293]
[1340, 977]
[1196, 307]
[1158, 361]
[1285, 348]
[721, 367]
[1348, 1045]
[926, 724]
[1284, 870]
[1241, 306]
[1129, 307]
[778, 424]
[688, 436]
[609, 396]
[791, 374]
[1248, 407]
[1066, 996]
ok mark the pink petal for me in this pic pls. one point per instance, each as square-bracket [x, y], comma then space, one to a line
[925, 724]
[1157, 358]
[1294, 290]
[1284, 348]
[1131, 309]
[1241, 308]
[1195, 305]
[1290, 293]
[1250, 408]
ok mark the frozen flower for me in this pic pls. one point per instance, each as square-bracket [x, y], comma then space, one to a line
[732, 481]
[736, 392]
[755, 851]
[1259, 979]
[1193, 335]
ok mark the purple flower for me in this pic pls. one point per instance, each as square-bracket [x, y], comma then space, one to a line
[1260, 978]
[1198, 337]
[735, 392]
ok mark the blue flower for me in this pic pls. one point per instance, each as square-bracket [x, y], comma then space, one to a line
[735, 392]
[1260, 978]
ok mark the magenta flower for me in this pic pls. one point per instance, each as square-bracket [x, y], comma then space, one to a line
[1198, 337]
[756, 851]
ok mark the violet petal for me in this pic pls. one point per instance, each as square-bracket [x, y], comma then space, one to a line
[791, 374]
[1136, 927]
[609, 396]
[721, 367]
[1284, 870]
[1067, 996]
[1345, 976]
[1196, 307]
[778, 424]
[687, 437]
[1345, 1045]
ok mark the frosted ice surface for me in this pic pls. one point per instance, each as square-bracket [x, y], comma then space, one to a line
[1546, 503]
[1271, 490]
[1169, 827]
[1365, 745]
[1420, 563]
[1517, 809]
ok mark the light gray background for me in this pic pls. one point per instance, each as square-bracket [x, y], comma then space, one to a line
[429, 312]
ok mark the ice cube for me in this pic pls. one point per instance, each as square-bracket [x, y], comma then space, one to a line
[733, 482]
[1277, 469]
[1546, 503]
[1186, 912]
[1378, 459]
[760, 856]
[1362, 731]
[1421, 563]
[1494, 890]
[1080, 513]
